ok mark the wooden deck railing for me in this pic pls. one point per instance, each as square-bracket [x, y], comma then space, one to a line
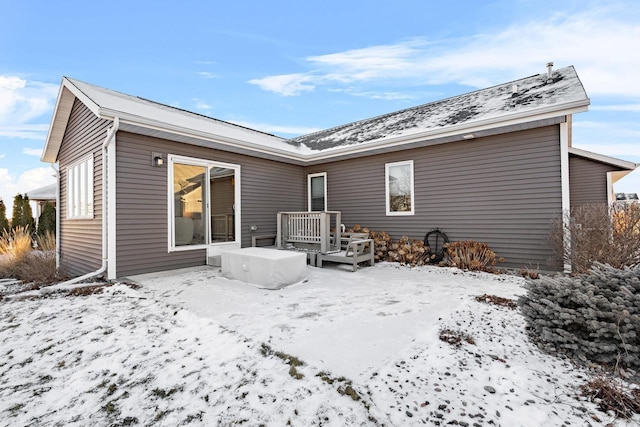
[309, 230]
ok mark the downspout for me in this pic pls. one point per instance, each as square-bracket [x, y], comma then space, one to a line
[111, 133]
[57, 176]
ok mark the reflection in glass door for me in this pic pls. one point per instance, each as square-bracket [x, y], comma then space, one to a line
[222, 196]
[189, 205]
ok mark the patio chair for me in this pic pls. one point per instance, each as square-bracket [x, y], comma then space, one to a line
[358, 248]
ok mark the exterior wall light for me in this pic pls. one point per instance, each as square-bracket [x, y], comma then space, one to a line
[157, 160]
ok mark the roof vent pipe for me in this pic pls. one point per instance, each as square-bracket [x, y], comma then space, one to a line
[549, 70]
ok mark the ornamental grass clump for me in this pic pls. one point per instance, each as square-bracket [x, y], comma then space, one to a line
[470, 255]
[15, 245]
[591, 317]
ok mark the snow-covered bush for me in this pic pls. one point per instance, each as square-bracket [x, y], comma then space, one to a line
[594, 316]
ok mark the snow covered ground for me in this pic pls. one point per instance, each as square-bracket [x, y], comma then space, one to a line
[340, 349]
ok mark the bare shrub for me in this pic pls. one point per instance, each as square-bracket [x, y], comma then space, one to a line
[18, 260]
[38, 268]
[599, 233]
[470, 255]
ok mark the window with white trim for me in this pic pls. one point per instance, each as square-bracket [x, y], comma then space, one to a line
[80, 189]
[317, 191]
[399, 188]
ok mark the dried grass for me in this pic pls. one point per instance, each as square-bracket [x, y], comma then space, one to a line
[16, 243]
[611, 395]
[46, 241]
[496, 300]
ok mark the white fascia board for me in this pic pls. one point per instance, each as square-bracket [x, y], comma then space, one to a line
[61, 112]
[88, 102]
[467, 128]
[624, 164]
[205, 136]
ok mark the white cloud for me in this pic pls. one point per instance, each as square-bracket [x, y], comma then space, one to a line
[10, 185]
[599, 44]
[208, 75]
[32, 151]
[287, 84]
[276, 129]
[22, 103]
[2, 156]
[201, 105]
[633, 108]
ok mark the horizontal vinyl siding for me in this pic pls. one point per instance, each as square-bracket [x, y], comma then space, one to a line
[81, 239]
[502, 190]
[587, 181]
[141, 191]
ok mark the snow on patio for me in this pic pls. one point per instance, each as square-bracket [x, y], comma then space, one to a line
[342, 348]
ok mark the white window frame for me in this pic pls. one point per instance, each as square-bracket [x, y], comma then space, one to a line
[208, 164]
[80, 190]
[309, 178]
[387, 168]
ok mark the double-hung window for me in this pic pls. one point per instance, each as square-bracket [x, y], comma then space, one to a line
[80, 189]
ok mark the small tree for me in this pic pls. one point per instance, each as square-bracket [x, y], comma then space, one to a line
[22, 214]
[27, 212]
[16, 213]
[4, 222]
[47, 220]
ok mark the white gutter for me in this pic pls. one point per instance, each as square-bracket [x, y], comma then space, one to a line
[57, 176]
[306, 157]
[111, 133]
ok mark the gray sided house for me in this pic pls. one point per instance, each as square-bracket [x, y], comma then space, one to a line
[145, 187]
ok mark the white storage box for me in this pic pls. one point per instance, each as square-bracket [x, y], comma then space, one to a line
[268, 268]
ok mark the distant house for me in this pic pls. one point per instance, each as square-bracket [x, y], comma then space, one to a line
[147, 187]
[42, 195]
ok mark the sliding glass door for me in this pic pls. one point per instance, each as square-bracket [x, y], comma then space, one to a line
[203, 204]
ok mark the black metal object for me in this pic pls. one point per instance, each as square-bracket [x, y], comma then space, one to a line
[435, 240]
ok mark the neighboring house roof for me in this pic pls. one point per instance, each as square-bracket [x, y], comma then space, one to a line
[46, 193]
[475, 114]
[623, 167]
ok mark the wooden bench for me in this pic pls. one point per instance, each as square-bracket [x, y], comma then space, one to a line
[357, 248]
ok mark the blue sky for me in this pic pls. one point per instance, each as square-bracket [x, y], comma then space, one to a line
[292, 67]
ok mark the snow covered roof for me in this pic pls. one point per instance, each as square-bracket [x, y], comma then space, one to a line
[521, 101]
[133, 110]
[48, 192]
[531, 95]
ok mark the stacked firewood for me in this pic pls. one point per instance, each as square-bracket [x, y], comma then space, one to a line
[405, 251]
[409, 251]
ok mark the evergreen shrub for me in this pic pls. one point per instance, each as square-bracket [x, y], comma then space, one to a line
[592, 317]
